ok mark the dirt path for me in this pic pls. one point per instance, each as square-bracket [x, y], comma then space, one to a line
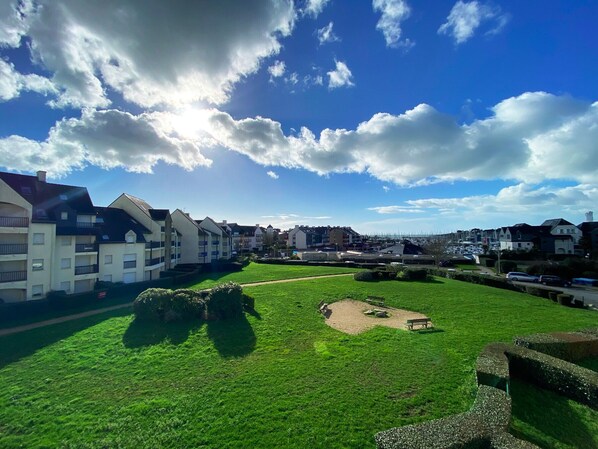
[76, 316]
[347, 316]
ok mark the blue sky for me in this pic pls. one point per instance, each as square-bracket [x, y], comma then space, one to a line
[390, 116]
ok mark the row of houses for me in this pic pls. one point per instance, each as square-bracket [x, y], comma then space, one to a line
[553, 236]
[52, 237]
[314, 237]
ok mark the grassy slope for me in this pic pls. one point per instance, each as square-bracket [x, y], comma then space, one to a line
[281, 378]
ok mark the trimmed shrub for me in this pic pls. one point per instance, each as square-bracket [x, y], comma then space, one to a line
[535, 291]
[570, 346]
[413, 274]
[248, 302]
[492, 367]
[488, 417]
[564, 299]
[552, 295]
[225, 301]
[364, 276]
[160, 304]
[507, 265]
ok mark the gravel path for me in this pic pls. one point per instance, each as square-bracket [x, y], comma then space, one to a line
[76, 316]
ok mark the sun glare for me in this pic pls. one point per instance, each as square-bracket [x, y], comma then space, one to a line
[191, 122]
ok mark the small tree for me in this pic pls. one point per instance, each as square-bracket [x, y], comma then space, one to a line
[437, 246]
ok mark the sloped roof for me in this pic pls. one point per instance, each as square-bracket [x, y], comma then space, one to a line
[556, 222]
[115, 223]
[159, 214]
[46, 197]
[142, 204]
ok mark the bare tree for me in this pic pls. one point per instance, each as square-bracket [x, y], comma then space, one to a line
[437, 246]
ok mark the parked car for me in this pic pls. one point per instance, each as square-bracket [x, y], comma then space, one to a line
[548, 279]
[521, 277]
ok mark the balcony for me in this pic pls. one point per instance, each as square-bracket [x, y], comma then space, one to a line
[13, 276]
[151, 245]
[215, 242]
[129, 264]
[151, 262]
[85, 224]
[86, 247]
[86, 269]
[13, 248]
[14, 222]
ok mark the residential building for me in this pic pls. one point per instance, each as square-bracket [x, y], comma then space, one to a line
[48, 238]
[123, 255]
[561, 227]
[196, 242]
[245, 238]
[219, 242]
[162, 242]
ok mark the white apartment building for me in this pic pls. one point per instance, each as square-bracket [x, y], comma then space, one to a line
[162, 247]
[218, 244]
[48, 238]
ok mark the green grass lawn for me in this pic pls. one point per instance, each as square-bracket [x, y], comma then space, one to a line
[252, 273]
[276, 378]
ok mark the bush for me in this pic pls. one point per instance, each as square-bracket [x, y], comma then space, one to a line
[365, 276]
[160, 304]
[420, 274]
[564, 299]
[572, 346]
[248, 302]
[507, 265]
[225, 301]
[553, 294]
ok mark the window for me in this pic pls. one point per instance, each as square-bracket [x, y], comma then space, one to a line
[107, 278]
[38, 264]
[66, 286]
[130, 261]
[65, 263]
[129, 277]
[66, 241]
[130, 238]
[64, 215]
[37, 291]
[38, 238]
[107, 259]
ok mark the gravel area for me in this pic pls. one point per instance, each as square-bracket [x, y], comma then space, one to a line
[347, 316]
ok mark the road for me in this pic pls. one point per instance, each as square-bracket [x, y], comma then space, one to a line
[589, 295]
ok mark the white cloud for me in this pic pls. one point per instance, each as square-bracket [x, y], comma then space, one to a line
[386, 188]
[293, 78]
[120, 45]
[394, 12]
[286, 220]
[530, 138]
[106, 139]
[395, 210]
[315, 7]
[276, 70]
[12, 83]
[326, 35]
[340, 76]
[12, 21]
[272, 174]
[465, 18]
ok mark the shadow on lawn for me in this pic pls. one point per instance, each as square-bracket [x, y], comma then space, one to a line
[232, 338]
[550, 414]
[147, 333]
[17, 346]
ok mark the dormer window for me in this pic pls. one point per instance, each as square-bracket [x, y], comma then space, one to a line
[64, 215]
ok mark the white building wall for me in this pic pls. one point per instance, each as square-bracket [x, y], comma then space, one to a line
[45, 251]
[112, 259]
[190, 237]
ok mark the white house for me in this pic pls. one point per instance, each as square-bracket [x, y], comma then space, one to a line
[561, 227]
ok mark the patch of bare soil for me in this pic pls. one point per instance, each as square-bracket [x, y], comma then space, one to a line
[347, 316]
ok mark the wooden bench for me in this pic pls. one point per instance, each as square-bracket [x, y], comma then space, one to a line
[423, 322]
[376, 300]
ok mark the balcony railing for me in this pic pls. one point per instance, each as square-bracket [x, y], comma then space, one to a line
[130, 264]
[13, 248]
[151, 262]
[85, 224]
[13, 276]
[86, 247]
[150, 245]
[14, 222]
[86, 269]
[215, 242]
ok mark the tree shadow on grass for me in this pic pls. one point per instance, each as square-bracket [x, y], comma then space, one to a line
[233, 337]
[148, 333]
[549, 416]
[17, 346]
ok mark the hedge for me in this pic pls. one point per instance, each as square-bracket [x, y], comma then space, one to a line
[492, 367]
[411, 274]
[480, 279]
[365, 276]
[572, 346]
[160, 304]
[488, 417]
[225, 301]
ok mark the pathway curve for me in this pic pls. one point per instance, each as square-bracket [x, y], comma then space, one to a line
[76, 316]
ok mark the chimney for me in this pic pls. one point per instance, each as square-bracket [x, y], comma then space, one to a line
[590, 216]
[41, 176]
[223, 221]
[257, 225]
